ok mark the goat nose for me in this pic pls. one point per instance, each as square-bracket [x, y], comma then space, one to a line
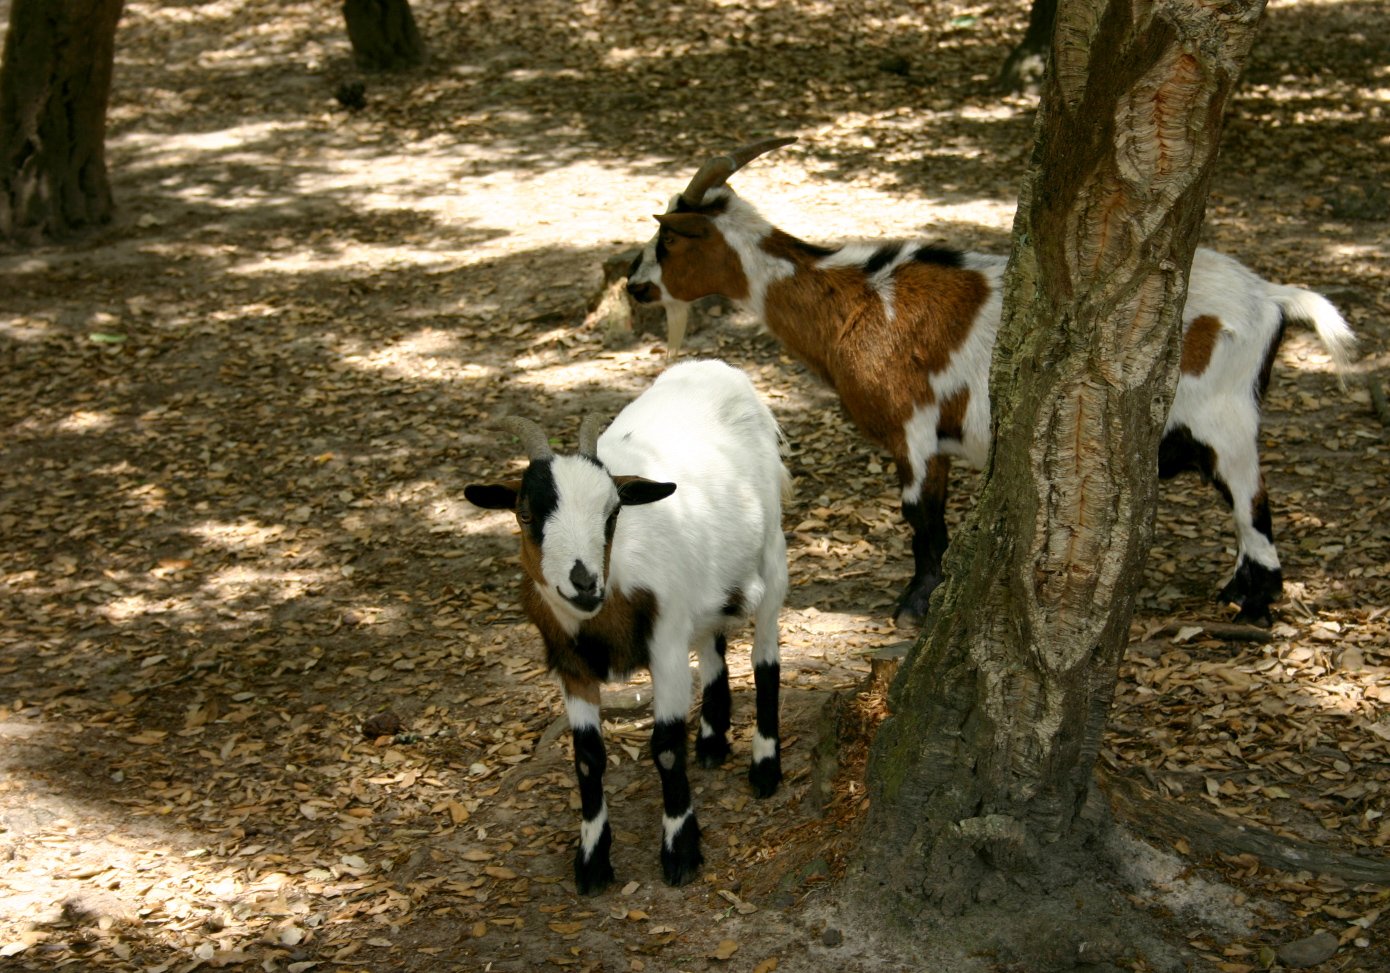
[643, 293]
[583, 579]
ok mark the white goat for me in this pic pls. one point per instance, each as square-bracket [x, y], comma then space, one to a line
[694, 467]
[904, 333]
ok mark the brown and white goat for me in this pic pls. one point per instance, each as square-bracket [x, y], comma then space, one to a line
[904, 333]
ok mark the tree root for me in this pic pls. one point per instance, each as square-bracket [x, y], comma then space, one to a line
[1211, 834]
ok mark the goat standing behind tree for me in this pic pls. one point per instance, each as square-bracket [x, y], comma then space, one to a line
[629, 569]
[904, 333]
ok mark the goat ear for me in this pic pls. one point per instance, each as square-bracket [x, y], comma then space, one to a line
[693, 225]
[493, 496]
[636, 490]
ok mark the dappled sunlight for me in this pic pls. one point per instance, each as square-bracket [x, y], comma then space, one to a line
[268, 698]
[430, 352]
[18, 328]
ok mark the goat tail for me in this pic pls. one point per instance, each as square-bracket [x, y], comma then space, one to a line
[1297, 304]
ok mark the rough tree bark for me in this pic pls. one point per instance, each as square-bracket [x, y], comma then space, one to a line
[383, 34]
[1023, 68]
[979, 778]
[54, 85]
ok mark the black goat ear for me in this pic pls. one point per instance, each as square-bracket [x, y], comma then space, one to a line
[493, 496]
[636, 490]
[696, 226]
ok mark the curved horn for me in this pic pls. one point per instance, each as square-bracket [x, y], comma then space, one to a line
[533, 438]
[716, 171]
[589, 429]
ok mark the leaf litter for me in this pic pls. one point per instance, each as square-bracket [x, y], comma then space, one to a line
[270, 702]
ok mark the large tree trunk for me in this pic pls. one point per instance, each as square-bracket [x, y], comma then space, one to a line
[383, 34]
[986, 762]
[54, 86]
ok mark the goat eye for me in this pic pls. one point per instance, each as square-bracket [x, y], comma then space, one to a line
[523, 515]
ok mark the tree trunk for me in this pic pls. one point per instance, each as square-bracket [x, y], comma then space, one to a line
[383, 34]
[54, 87]
[984, 767]
[1023, 68]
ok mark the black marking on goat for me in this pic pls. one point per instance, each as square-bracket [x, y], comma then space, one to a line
[716, 710]
[734, 607]
[594, 873]
[939, 256]
[1180, 451]
[539, 498]
[764, 775]
[1260, 518]
[882, 257]
[589, 763]
[765, 680]
[668, 753]
[1272, 352]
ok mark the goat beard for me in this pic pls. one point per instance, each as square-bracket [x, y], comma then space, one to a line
[677, 315]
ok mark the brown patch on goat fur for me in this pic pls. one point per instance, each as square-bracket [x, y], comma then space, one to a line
[692, 269]
[1198, 343]
[616, 640]
[531, 557]
[585, 689]
[835, 322]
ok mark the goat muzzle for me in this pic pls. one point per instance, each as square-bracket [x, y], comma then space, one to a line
[644, 293]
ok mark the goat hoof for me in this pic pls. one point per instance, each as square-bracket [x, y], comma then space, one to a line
[681, 858]
[1254, 588]
[765, 776]
[911, 612]
[1258, 616]
[711, 751]
[593, 876]
[908, 621]
[595, 873]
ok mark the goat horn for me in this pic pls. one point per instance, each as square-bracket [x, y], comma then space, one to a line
[533, 438]
[716, 171]
[589, 428]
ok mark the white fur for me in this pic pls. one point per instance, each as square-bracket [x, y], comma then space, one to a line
[670, 827]
[702, 427]
[574, 532]
[591, 831]
[763, 748]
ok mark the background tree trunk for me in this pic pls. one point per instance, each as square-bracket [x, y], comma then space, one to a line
[383, 34]
[986, 763]
[1023, 68]
[54, 85]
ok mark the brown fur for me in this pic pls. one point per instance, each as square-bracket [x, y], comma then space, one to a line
[695, 267]
[611, 644]
[835, 322]
[1198, 344]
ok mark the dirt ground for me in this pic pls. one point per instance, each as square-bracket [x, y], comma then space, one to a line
[238, 421]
